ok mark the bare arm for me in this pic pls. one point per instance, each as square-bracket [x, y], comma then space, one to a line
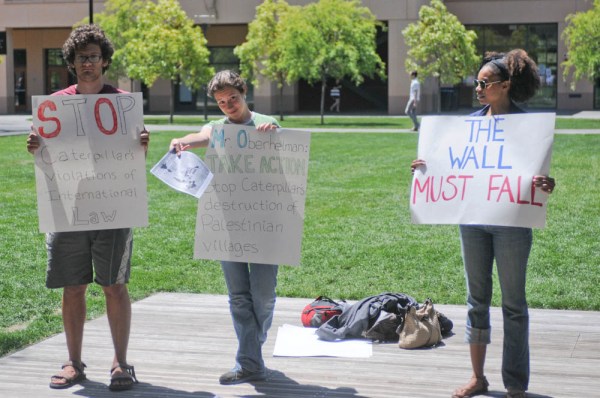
[194, 140]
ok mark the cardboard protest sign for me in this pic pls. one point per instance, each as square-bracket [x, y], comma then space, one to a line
[90, 168]
[480, 169]
[253, 209]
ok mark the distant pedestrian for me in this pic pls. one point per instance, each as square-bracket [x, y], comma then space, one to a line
[335, 95]
[413, 100]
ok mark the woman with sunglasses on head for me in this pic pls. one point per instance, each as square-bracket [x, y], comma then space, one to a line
[502, 80]
[251, 286]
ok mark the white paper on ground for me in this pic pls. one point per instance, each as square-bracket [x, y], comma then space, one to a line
[295, 341]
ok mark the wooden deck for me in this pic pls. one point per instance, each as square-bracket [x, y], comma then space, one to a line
[181, 344]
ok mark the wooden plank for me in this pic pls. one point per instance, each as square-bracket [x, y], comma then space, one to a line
[181, 344]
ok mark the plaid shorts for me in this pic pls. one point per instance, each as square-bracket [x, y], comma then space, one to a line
[73, 257]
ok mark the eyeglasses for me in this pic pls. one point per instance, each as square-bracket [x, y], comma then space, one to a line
[482, 84]
[94, 59]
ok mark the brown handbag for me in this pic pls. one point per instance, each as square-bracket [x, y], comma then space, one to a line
[421, 328]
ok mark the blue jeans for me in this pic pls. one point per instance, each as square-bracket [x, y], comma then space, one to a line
[510, 246]
[251, 303]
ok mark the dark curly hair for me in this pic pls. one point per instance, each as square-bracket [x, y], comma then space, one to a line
[80, 38]
[519, 68]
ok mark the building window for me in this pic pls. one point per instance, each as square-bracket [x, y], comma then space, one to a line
[541, 43]
[221, 58]
[57, 74]
[20, 66]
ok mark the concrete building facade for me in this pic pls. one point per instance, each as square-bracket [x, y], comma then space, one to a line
[32, 33]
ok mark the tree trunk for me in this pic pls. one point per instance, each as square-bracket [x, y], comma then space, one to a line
[172, 102]
[439, 97]
[281, 102]
[323, 86]
[206, 103]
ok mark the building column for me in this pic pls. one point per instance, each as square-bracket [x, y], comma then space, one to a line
[266, 98]
[7, 86]
[398, 79]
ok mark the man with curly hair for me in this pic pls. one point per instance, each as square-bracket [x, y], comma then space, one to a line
[74, 257]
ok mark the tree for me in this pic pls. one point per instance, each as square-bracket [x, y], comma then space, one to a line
[156, 40]
[119, 22]
[440, 46]
[261, 53]
[331, 39]
[582, 38]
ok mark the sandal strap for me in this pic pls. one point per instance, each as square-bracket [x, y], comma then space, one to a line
[127, 368]
[78, 366]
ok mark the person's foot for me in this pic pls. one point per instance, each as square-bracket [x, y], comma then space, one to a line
[516, 394]
[71, 373]
[475, 386]
[237, 376]
[122, 377]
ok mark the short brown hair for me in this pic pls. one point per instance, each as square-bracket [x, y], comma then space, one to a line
[223, 79]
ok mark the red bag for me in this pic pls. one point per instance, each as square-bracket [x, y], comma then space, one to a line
[320, 311]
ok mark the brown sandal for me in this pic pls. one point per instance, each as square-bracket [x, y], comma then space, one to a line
[125, 380]
[69, 381]
[468, 390]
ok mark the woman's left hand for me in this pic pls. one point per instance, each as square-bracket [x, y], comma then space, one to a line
[545, 183]
[266, 127]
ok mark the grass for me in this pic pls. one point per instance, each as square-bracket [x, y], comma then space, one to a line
[358, 238]
[355, 122]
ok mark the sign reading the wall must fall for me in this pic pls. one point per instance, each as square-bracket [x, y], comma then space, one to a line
[90, 168]
[479, 170]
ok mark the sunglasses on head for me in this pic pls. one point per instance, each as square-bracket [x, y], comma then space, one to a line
[482, 84]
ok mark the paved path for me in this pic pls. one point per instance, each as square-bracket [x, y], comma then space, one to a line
[21, 124]
[181, 343]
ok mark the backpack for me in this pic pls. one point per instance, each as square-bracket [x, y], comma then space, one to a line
[320, 311]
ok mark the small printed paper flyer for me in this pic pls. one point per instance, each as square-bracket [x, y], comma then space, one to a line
[186, 173]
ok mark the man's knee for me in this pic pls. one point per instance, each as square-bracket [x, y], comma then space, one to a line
[116, 291]
[70, 292]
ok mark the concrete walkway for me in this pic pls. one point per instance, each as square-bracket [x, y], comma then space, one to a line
[181, 343]
[21, 124]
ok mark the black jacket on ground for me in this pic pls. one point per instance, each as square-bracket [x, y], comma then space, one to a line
[358, 318]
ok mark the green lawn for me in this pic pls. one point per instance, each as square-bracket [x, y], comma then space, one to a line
[357, 122]
[358, 239]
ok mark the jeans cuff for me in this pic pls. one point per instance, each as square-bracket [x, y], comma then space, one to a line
[477, 336]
